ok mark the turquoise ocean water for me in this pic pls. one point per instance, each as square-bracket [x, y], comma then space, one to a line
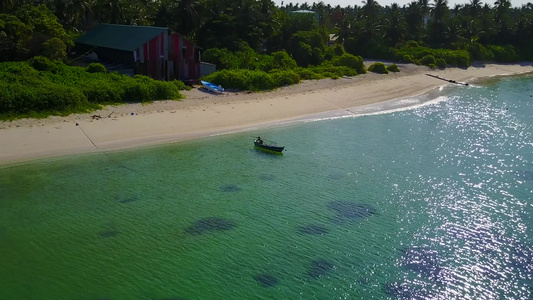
[432, 202]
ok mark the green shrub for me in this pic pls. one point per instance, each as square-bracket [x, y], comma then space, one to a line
[135, 92]
[181, 85]
[54, 49]
[98, 92]
[282, 60]
[165, 90]
[450, 58]
[246, 80]
[222, 58]
[406, 54]
[325, 69]
[60, 89]
[330, 75]
[425, 52]
[305, 73]
[378, 68]
[432, 66]
[427, 60]
[41, 63]
[463, 59]
[338, 50]
[52, 98]
[260, 81]
[503, 54]
[351, 61]
[441, 63]
[96, 68]
[407, 59]
[411, 44]
[284, 77]
[477, 51]
[393, 68]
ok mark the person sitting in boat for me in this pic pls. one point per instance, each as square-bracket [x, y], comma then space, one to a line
[259, 140]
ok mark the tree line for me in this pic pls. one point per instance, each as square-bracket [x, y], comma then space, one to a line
[487, 31]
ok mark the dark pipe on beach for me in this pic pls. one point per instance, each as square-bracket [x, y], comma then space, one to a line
[448, 80]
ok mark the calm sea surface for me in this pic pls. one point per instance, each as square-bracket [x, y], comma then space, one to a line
[434, 202]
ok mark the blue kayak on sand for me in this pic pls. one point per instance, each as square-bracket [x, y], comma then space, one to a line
[212, 87]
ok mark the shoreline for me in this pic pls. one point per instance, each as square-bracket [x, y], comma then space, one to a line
[202, 114]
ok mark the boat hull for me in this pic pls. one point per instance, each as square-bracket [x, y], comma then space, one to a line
[268, 148]
[212, 87]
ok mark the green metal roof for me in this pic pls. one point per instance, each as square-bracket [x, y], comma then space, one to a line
[121, 37]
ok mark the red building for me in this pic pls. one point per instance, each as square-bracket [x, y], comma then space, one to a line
[153, 51]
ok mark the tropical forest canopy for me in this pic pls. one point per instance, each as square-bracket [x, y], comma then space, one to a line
[488, 31]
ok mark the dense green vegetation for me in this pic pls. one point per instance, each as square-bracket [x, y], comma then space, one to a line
[486, 31]
[246, 69]
[393, 68]
[255, 44]
[40, 87]
[378, 67]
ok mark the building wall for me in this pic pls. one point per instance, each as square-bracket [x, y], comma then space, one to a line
[207, 68]
[169, 57]
[184, 58]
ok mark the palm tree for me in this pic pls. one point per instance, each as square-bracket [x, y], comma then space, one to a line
[344, 29]
[394, 26]
[502, 20]
[187, 16]
[474, 8]
[439, 13]
[371, 10]
[425, 9]
[414, 21]
[109, 11]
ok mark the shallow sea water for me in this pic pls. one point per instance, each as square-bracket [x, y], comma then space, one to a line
[434, 202]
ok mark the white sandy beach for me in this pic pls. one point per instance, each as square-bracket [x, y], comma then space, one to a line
[203, 114]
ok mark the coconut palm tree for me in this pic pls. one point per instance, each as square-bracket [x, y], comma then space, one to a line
[394, 26]
[474, 8]
[439, 14]
[414, 21]
[502, 20]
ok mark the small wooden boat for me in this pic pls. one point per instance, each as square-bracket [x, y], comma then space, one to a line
[259, 144]
[212, 87]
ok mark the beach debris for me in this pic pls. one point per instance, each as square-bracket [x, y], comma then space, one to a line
[319, 268]
[313, 229]
[210, 224]
[96, 117]
[266, 280]
[229, 188]
[448, 80]
[351, 210]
